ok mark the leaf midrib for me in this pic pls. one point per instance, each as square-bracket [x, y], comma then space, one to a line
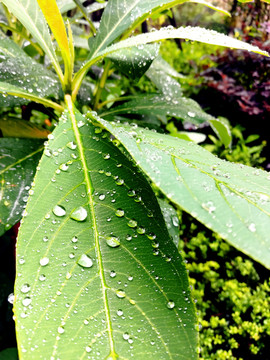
[90, 190]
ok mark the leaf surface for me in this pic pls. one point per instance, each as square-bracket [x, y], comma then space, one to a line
[18, 161]
[231, 199]
[13, 127]
[30, 15]
[98, 268]
[160, 105]
[134, 62]
[19, 69]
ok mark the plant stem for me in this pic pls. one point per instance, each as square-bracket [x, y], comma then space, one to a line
[102, 83]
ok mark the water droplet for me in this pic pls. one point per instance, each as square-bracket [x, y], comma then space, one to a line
[119, 181]
[132, 223]
[170, 304]
[63, 167]
[11, 298]
[74, 239]
[141, 230]
[79, 214]
[44, 261]
[59, 210]
[85, 261]
[71, 145]
[130, 278]
[252, 227]
[25, 288]
[128, 237]
[26, 301]
[45, 238]
[191, 114]
[42, 277]
[151, 236]
[113, 241]
[120, 294]
[112, 274]
[120, 213]
[101, 197]
[60, 330]
[131, 193]
[106, 156]
[88, 349]
[126, 336]
[120, 312]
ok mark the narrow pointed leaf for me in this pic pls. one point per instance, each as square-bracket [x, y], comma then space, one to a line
[55, 21]
[18, 161]
[30, 15]
[160, 105]
[222, 130]
[134, 62]
[189, 33]
[7, 89]
[231, 199]
[19, 69]
[100, 264]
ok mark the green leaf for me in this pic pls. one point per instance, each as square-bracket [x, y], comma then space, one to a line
[171, 219]
[9, 354]
[7, 89]
[231, 199]
[97, 268]
[160, 105]
[134, 62]
[189, 33]
[13, 127]
[161, 74]
[222, 130]
[30, 15]
[18, 161]
[18, 69]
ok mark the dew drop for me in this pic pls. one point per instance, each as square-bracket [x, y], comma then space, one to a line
[252, 227]
[79, 214]
[63, 167]
[141, 230]
[59, 210]
[112, 274]
[120, 213]
[128, 237]
[170, 304]
[44, 261]
[26, 301]
[42, 277]
[106, 156]
[132, 223]
[120, 294]
[131, 193]
[85, 261]
[71, 145]
[126, 336]
[11, 298]
[60, 330]
[74, 239]
[119, 181]
[25, 288]
[88, 349]
[113, 241]
[120, 312]
[101, 197]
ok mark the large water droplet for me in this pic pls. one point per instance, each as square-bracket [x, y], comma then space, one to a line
[26, 301]
[132, 223]
[119, 212]
[120, 294]
[113, 241]
[85, 261]
[79, 214]
[44, 261]
[59, 210]
[60, 330]
[170, 304]
[252, 227]
[11, 298]
[25, 288]
[71, 145]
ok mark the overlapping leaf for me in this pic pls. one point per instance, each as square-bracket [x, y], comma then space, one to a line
[30, 15]
[18, 161]
[160, 105]
[99, 271]
[231, 199]
[18, 69]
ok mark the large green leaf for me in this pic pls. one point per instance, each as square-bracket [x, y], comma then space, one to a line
[160, 105]
[134, 61]
[18, 69]
[98, 270]
[119, 15]
[30, 15]
[13, 127]
[231, 199]
[188, 33]
[18, 161]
